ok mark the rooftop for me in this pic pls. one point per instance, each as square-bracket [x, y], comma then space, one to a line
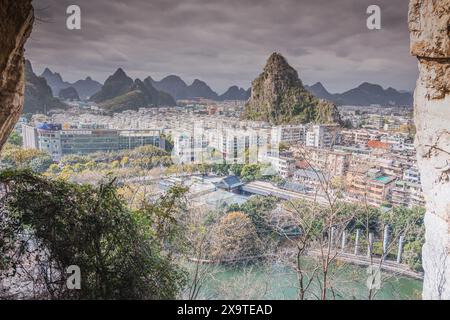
[384, 179]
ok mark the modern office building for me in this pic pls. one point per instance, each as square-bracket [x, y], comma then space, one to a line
[59, 141]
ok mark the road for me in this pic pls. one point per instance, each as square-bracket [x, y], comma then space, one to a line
[266, 189]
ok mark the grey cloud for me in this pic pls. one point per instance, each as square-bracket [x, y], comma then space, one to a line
[226, 42]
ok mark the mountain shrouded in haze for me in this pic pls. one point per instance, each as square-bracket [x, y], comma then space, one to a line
[368, 93]
[235, 93]
[364, 95]
[55, 81]
[121, 93]
[279, 97]
[38, 94]
[85, 88]
[178, 89]
[319, 91]
[117, 84]
[69, 93]
[173, 85]
[199, 89]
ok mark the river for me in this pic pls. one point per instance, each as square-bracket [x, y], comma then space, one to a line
[277, 281]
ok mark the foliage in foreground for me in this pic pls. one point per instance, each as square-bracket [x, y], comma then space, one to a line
[58, 224]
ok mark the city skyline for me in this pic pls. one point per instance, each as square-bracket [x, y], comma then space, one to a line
[226, 44]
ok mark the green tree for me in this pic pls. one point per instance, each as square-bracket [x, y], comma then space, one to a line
[54, 168]
[15, 139]
[88, 226]
[258, 209]
[235, 238]
[41, 164]
[251, 172]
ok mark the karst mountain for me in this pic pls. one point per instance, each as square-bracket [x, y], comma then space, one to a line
[279, 97]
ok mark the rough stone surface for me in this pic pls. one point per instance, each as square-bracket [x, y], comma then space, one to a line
[16, 21]
[429, 24]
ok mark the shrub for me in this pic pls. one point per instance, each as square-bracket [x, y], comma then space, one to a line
[235, 238]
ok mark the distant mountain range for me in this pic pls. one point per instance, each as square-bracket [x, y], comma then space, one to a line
[365, 94]
[236, 93]
[172, 84]
[38, 94]
[121, 93]
[85, 88]
[178, 89]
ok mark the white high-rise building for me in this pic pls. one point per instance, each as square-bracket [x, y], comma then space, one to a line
[231, 145]
[322, 136]
[292, 134]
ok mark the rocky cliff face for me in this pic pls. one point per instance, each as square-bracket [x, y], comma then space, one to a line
[16, 22]
[429, 24]
[278, 97]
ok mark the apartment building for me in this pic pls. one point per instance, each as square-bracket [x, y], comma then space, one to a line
[412, 174]
[222, 145]
[359, 137]
[322, 136]
[283, 165]
[190, 147]
[334, 163]
[407, 194]
[372, 187]
[291, 134]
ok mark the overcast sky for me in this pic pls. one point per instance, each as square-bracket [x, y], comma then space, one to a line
[226, 42]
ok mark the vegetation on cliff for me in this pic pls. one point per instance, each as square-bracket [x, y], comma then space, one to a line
[279, 97]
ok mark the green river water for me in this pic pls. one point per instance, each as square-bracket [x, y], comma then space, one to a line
[276, 281]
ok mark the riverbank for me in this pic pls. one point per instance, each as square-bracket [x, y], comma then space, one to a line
[359, 260]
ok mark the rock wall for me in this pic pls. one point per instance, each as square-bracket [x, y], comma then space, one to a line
[429, 24]
[16, 22]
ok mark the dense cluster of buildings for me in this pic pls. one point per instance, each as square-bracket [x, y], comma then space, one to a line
[374, 162]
